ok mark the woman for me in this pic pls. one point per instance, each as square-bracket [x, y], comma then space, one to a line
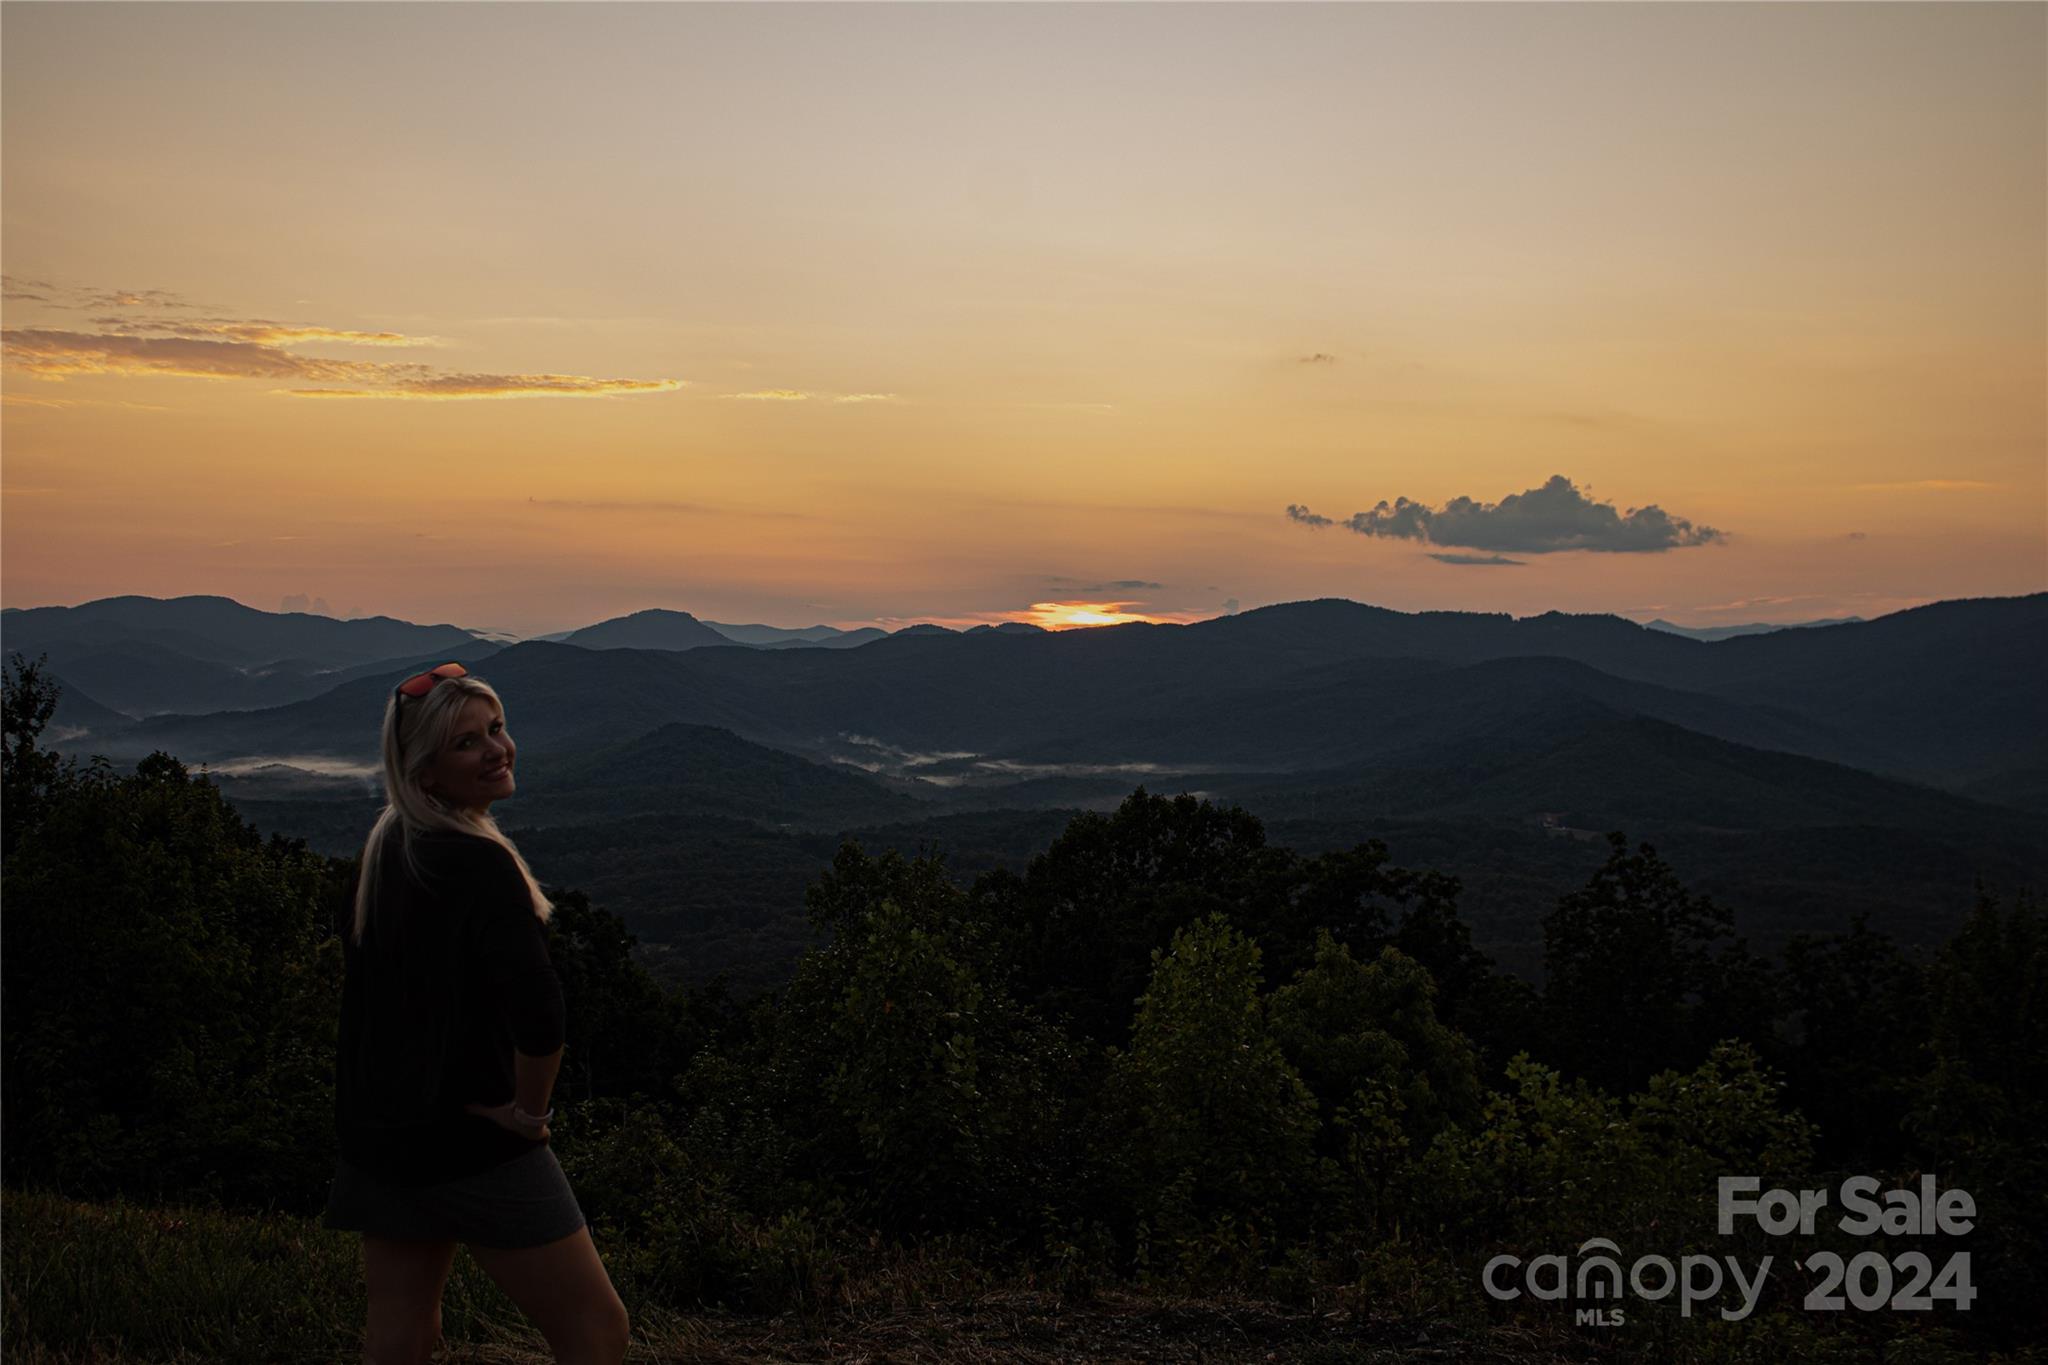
[451, 1034]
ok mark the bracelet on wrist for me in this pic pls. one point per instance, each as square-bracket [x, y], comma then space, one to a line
[526, 1120]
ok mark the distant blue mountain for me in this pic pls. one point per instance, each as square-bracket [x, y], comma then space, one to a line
[657, 628]
[1755, 628]
[146, 655]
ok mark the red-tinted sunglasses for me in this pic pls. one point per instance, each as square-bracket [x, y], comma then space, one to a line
[419, 684]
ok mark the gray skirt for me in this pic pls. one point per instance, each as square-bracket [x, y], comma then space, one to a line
[526, 1202]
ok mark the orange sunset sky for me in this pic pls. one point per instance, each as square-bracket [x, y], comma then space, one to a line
[523, 316]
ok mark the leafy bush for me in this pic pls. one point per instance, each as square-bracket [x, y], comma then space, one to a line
[1217, 1128]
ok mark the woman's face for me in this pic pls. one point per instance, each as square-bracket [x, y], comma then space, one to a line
[475, 768]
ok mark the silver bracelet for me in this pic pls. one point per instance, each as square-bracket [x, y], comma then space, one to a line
[526, 1120]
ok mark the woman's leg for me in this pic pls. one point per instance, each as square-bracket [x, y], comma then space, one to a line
[405, 1281]
[564, 1291]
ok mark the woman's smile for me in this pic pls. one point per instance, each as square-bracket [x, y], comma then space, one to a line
[475, 768]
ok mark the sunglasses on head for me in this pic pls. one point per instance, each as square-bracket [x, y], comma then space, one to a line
[419, 684]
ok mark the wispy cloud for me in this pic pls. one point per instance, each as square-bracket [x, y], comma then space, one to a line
[806, 396]
[1319, 358]
[1928, 486]
[1751, 603]
[1475, 559]
[133, 298]
[261, 331]
[18, 289]
[470, 386]
[230, 348]
[138, 332]
[30, 401]
[1556, 516]
[617, 505]
[1113, 585]
[21, 289]
[658, 507]
[58, 354]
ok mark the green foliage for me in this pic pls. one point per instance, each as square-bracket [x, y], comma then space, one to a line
[904, 1027]
[27, 772]
[1079, 1067]
[1642, 975]
[1861, 1025]
[1351, 1028]
[1553, 1162]
[1219, 1129]
[925, 1096]
[170, 991]
[676, 1233]
[1982, 1116]
[618, 1026]
[1113, 888]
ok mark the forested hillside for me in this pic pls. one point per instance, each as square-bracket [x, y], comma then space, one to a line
[1168, 1056]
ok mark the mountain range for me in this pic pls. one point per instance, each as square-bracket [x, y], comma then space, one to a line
[146, 656]
[1788, 765]
[1948, 694]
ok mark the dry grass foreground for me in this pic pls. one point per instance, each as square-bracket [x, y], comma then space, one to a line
[120, 1284]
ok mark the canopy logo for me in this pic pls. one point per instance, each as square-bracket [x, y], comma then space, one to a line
[1868, 1281]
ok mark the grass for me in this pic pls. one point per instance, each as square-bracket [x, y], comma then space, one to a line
[121, 1284]
[130, 1284]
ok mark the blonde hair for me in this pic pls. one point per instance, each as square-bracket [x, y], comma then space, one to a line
[414, 733]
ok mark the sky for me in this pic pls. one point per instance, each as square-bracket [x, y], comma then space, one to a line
[525, 316]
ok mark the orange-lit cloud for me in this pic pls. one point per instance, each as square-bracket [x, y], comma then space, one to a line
[227, 349]
[27, 401]
[262, 332]
[802, 396]
[132, 298]
[498, 386]
[57, 354]
[1070, 615]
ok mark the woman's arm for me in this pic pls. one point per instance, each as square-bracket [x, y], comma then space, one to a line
[534, 1080]
[526, 992]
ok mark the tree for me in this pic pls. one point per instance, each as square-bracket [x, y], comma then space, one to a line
[1859, 1012]
[1983, 1104]
[1642, 976]
[1353, 1028]
[1112, 889]
[1219, 1127]
[909, 1081]
[27, 773]
[170, 995]
[621, 1035]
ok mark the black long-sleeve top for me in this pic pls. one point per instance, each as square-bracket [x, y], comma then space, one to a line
[452, 975]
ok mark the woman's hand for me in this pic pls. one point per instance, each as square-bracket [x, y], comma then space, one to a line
[513, 1119]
